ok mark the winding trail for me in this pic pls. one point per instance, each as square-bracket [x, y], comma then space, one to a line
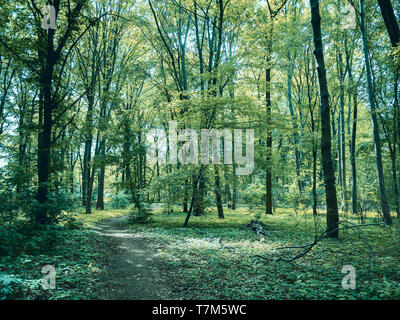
[132, 271]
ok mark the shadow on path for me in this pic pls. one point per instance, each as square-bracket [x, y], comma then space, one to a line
[132, 270]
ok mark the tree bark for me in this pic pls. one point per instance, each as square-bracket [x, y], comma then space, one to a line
[326, 152]
[268, 199]
[218, 196]
[377, 140]
[342, 135]
[295, 128]
[353, 95]
[390, 21]
[101, 178]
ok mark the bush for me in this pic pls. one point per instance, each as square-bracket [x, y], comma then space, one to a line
[254, 195]
[120, 201]
[70, 222]
[8, 206]
[58, 203]
[10, 286]
[25, 239]
[9, 239]
[142, 215]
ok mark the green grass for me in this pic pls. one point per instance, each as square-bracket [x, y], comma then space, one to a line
[250, 268]
[90, 220]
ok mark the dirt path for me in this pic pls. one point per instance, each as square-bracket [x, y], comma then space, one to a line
[132, 269]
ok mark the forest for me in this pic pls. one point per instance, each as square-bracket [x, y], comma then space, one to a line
[199, 149]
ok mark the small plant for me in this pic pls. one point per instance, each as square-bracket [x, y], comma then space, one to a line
[70, 222]
[141, 215]
[10, 286]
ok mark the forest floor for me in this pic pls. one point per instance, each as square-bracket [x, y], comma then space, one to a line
[104, 256]
[225, 259]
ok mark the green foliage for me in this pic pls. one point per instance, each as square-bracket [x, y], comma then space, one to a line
[244, 265]
[57, 204]
[78, 260]
[7, 205]
[10, 286]
[120, 201]
[9, 239]
[141, 215]
[396, 56]
[15, 240]
[253, 195]
[125, 79]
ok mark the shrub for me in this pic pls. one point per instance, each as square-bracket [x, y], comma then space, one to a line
[58, 203]
[10, 286]
[9, 239]
[14, 240]
[142, 215]
[43, 240]
[254, 195]
[71, 222]
[120, 201]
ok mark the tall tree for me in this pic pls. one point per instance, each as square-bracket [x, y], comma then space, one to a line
[327, 164]
[377, 140]
[390, 21]
[273, 12]
[50, 55]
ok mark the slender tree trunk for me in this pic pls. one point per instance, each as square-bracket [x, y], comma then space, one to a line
[327, 164]
[377, 140]
[101, 178]
[295, 129]
[353, 95]
[339, 154]
[235, 188]
[395, 185]
[196, 179]
[353, 155]
[218, 192]
[228, 195]
[342, 135]
[87, 156]
[314, 153]
[199, 194]
[268, 200]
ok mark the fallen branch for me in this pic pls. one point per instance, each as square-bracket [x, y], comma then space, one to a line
[308, 247]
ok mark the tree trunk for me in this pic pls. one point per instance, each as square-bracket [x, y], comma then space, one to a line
[327, 164]
[395, 185]
[101, 178]
[268, 200]
[228, 195]
[235, 188]
[44, 143]
[342, 135]
[295, 129]
[353, 94]
[377, 139]
[198, 194]
[218, 193]
[390, 21]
